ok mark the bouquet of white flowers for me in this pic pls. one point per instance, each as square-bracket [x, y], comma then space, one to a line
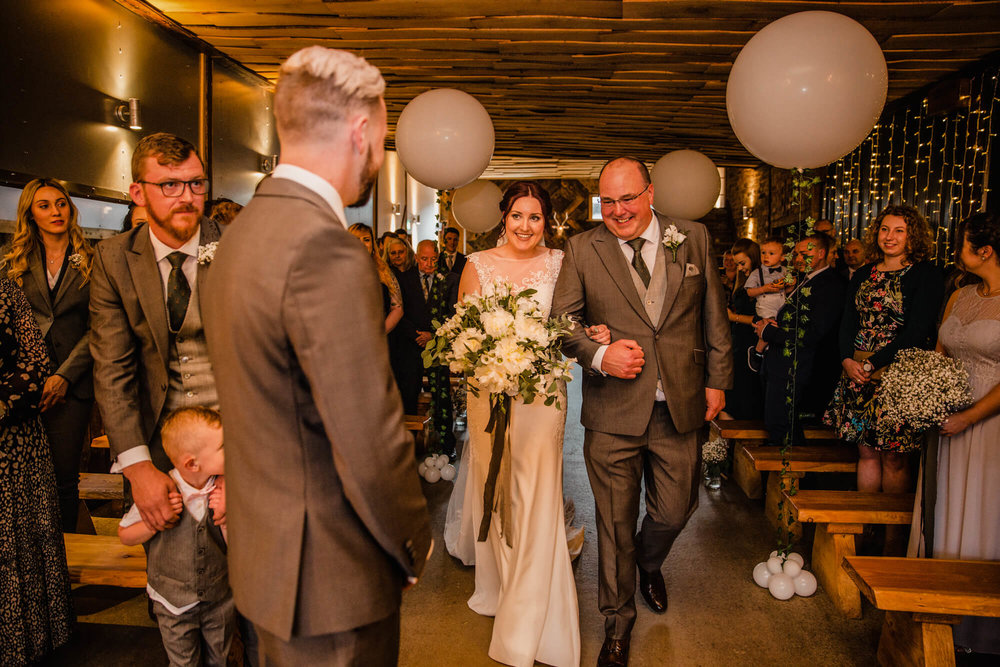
[501, 342]
[920, 389]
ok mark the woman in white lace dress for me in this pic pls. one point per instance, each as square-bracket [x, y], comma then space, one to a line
[961, 510]
[528, 584]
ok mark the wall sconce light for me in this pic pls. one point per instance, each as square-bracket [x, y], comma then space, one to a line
[128, 113]
[396, 209]
[266, 163]
[746, 213]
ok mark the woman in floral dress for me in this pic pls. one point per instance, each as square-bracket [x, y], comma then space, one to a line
[892, 304]
[35, 615]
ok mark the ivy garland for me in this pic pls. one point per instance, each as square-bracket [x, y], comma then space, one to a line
[438, 377]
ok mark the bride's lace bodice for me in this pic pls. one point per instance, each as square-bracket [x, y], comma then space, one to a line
[972, 333]
[538, 273]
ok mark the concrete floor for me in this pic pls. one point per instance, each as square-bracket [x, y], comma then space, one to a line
[717, 615]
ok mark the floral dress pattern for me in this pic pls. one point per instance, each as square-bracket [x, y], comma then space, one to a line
[855, 410]
[35, 613]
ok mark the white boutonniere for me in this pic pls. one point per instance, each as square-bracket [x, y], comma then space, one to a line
[206, 253]
[76, 260]
[672, 239]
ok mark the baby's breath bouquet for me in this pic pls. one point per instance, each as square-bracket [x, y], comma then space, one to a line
[714, 460]
[920, 389]
[504, 345]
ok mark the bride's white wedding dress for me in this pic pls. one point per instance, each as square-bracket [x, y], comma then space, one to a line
[528, 587]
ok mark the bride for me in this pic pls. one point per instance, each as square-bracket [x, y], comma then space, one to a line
[523, 579]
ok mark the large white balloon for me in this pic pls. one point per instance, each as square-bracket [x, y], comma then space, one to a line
[685, 184]
[444, 138]
[806, 89]
[476, 206]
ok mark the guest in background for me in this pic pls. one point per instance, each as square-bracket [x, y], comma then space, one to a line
[892, 304]
[428, 295]
[398, 254]
[826, 227]
[404, 236]
[35, 612]
[392, 297]
[451, 260]
[135, 216]
[801, 359]
[223, 210]
[744, 400]
[766, 286]
[854, 257]
[961, 502]
[380, 247]
[728, 274]
[51, 260]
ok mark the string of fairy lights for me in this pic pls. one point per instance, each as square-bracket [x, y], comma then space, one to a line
[937, 163]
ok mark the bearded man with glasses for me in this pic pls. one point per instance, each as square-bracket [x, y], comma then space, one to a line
[147, 339]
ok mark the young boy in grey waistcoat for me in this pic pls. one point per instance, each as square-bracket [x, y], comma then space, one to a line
[186, 572]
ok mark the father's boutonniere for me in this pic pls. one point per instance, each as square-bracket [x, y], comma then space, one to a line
[672, 239]
[76, 260]
[206, 253]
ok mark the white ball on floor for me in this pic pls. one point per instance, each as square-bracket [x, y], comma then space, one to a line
[791, 568]
[781, 586]
[805, 584]
[442, 460]
[773, 554]
[774, 565]
[761, 574]
[797, 558]
[448, 472]
[432, 474]
[431, 462]
[421, 468]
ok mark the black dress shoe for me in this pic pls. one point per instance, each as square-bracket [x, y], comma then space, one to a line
[614, 653]
[653, 590]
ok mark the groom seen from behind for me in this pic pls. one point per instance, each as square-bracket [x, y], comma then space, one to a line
[325, 514]
[647, 393]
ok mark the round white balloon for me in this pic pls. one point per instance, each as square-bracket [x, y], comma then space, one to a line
[444, 138]
[430, 461]
[421, 468]
[781, 586]
[761, 574]
[432, 474]
[476, 206]
[774, 564]
[791, 568]
[773, 554]
[805, 584]
[448, 472]
[686, 184]
[797, 558]
[806, 89]
[442, 461]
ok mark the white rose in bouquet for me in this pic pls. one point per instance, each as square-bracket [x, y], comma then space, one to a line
[530, 328]
[497, 323]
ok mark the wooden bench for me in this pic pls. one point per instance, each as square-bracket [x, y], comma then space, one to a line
[750, 432]
[922, 597]
[840, 515]
[100, 442]
[105, 561]
[102, 486]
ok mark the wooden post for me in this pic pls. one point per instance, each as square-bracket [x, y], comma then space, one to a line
[831, 544]
[917, 640]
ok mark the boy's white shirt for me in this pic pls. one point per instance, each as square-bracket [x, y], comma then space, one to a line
[766, 305]
[195, 502]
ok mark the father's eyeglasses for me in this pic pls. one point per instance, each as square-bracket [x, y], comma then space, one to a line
[199, 186]
[624, 201]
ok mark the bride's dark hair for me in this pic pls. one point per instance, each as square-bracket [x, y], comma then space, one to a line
[520, 189]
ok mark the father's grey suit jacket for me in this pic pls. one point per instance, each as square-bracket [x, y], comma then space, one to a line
[690, 345]
[326, 516]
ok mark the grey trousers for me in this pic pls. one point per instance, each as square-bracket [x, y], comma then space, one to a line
[372, 645]
[616, 465]
[199, 636]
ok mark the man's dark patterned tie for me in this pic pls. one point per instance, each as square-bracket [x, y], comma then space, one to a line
[637, 262]
[178, 291]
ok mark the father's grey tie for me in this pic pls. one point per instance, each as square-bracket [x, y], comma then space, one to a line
[178, 291]
[637, 262]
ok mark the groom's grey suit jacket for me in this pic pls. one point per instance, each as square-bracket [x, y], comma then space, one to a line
[325, 513]
[689, 344]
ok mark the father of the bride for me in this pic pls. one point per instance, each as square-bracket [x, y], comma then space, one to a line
[647, 393]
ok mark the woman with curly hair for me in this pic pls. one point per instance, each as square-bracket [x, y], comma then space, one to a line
[892, 304]
[392, 297]
[50, 260]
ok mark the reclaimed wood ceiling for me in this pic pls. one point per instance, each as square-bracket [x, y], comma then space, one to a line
[571, 82]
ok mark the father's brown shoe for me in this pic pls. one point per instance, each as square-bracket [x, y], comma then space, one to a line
[614, 653]
[653, 590]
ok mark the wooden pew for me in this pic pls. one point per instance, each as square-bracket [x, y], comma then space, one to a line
[922, 598]
[102, 486]
[103, 560]
[750, 432]
[840, 515]
[100, 442]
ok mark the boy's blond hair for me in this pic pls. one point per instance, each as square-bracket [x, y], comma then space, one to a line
[176, 430]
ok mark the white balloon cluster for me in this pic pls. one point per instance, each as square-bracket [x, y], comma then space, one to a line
[437, 467]
[784, 576]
